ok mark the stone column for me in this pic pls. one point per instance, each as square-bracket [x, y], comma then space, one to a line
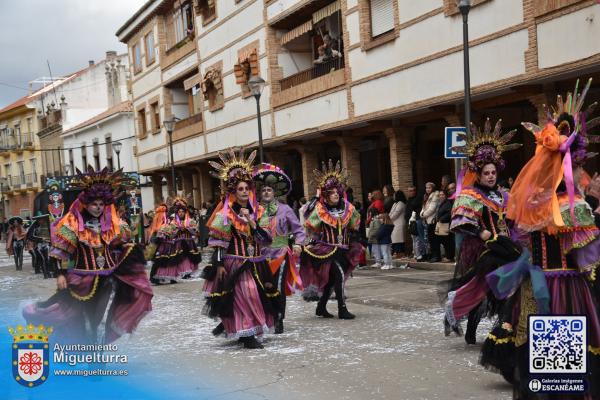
[309, 163]
[157, 189]
[351, 160]
[171, 190]
[187, 183]
[400, 157]
[204, 183]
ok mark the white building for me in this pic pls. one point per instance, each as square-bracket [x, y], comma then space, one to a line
[380, 104]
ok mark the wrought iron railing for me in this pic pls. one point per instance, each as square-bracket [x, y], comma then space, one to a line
[314, 72]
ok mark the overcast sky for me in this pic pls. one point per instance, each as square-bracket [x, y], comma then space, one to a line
[68, 33]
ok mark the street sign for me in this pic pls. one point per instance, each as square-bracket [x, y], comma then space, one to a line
[452, 140]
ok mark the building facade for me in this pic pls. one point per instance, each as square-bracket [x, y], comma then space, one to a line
[372, 83]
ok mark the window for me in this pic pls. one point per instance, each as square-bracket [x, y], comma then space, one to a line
[195, 100]
[379, 22]
[246, 67]
[182, 23]
[33, 164]
[149, 40]
[17, 133]
[137, 58]
[109, 153]
[7, 173]
[207, 9]
[382, 17]
[29, 127]
[142, 127]
[212, 89]
[21, 166]
[96, 154]
[155, 118]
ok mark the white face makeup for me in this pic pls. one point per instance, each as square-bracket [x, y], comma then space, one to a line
[488, 176]
[95, 208]
[242, 192]
[267, 194]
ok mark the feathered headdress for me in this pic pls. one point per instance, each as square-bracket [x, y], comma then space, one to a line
[331, 177]
[486, 147]
[568, 117]
[104, 184]
[561, 143]
[274, 177]
[482, 149]
[233, 168]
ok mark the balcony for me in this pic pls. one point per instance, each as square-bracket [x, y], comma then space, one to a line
[314, 80]
[51, 119]
[187, 127]
[31, 180]
[312, 73]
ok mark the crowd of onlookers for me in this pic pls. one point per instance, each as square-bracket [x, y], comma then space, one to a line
[415, 224]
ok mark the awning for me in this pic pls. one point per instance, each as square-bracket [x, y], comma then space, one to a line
[326, 11]
[192, 81]
[297, 31]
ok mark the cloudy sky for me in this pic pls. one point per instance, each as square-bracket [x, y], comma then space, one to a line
[68, 33]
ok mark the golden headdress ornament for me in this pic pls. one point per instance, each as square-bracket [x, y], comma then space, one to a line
[331, 176]
[233, 168]
[103, 184]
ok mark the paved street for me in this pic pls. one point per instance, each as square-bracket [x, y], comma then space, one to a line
[395, 349]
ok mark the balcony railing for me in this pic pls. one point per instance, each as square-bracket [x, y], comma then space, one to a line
[30, 179]
[316, 71]
[194, 119]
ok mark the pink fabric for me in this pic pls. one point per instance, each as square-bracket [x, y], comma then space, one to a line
[249, 317]
[185, 267]
[468, 296]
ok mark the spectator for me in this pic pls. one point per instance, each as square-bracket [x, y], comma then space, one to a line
[428, 215]
[445, 182]
[302, 210]
[374, 225]
[376, 205]
[203, 217]
[350, 195]
[510, 181]
[384, 240]
[412, 216]
[324, 57]
[397, 215]
[442, 235]
[388, 198]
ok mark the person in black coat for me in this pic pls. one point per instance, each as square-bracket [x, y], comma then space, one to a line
[443, 237]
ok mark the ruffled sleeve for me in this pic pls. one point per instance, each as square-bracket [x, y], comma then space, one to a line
[219, 233]
[466, 215]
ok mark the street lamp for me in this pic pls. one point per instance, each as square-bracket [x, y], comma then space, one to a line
[465, 6]
[257, 84]
[117, 148]
[170, 126]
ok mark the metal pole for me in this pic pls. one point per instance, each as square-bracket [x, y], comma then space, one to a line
[467, 70]
[119, 160]
[260, 140]
[172, 162]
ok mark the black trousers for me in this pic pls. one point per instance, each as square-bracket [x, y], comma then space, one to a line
[335, 282]
[280, 278]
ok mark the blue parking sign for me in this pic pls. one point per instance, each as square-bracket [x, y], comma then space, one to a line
[451, 134]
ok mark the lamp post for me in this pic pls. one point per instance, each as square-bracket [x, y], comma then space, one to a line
[465, 6]
[257, 84]
[117, 148]
[3, 182]
[169, 126]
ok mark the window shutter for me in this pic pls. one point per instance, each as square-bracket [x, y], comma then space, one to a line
[382, 16]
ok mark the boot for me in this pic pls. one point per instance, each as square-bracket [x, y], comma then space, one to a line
[472, 322]
[343, 313]
[322, 306]
[218, 329]
[250, 342]
[279, 326]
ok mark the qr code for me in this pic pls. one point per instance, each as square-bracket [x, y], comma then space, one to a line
[557, 344]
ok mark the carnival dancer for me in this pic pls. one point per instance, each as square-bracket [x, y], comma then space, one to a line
[334, 249]
[479, 215]
[239, 286]
[15, 241]
[177, 255]
[97, 264]
[557, 272]
[272, 182]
